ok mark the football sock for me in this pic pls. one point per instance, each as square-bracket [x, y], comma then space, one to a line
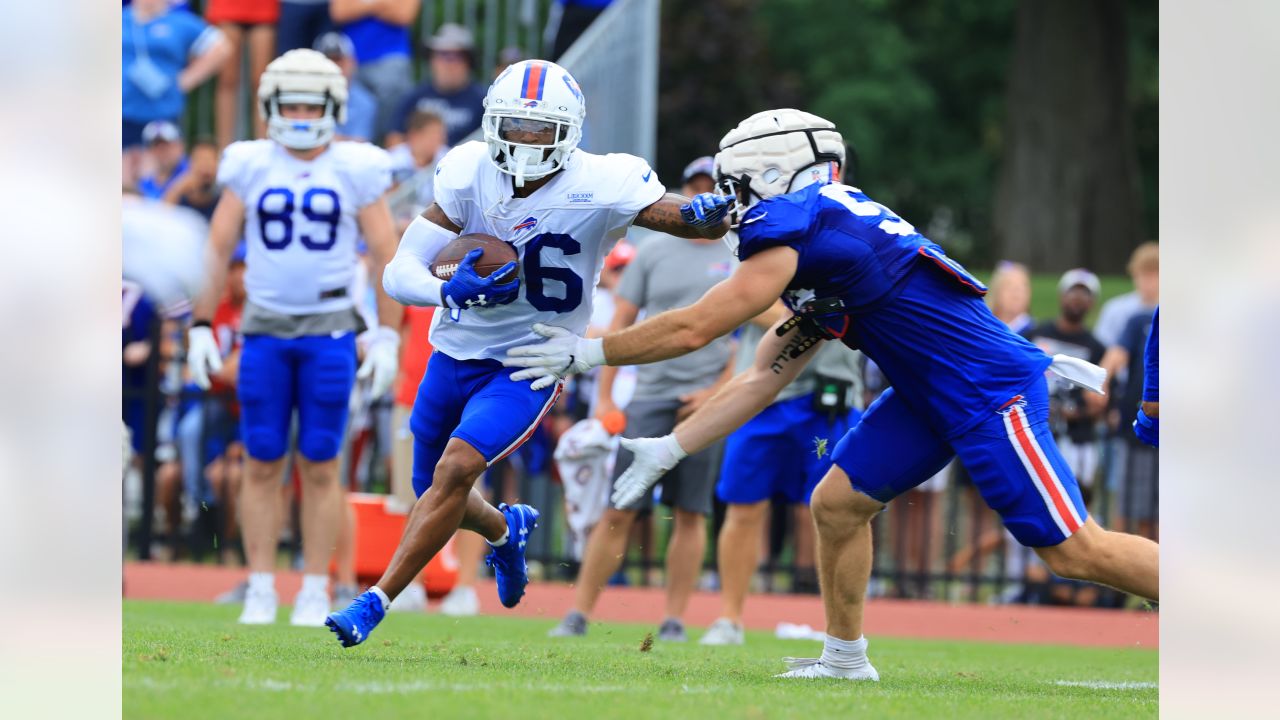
[315, 583]
[844, 654]
[500, 541]
[386, 601]
[262, 581]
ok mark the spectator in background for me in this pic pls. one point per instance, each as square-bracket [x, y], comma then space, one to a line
[166, 158]
[1073, 413]
[197, 188]
[781, 453]
[250, 23]
[667, 272]
[1139, 486]
[379, 30]
[166, 55]
[362, 106]
[209, 429]
[424, 144]
[451, 92]
[1144, 269]
[508, 56]
[301, 22]
[1010, 295]
[575, 16]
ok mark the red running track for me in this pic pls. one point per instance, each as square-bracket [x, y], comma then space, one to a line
[886, 618]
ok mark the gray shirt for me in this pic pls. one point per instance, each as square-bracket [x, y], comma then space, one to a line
[670, 272]
[834, 360]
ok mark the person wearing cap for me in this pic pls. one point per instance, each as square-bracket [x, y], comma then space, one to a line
[166, 55]
[450, 92]
[1073, 413]
[699, 176]
[380, 33]
[362, 105]
[667, 272]
[166, 158]
[245, 24]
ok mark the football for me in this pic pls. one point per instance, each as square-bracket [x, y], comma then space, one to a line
[496, 254]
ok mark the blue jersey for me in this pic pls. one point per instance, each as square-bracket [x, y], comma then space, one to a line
[918, 314]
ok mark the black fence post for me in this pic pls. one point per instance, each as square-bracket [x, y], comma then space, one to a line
[151, 401]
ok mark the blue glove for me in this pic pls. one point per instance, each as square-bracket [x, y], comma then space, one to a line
[1147, 429]
[705, 210]
[466, 289]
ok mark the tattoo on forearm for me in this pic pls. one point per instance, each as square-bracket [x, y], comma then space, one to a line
[664, 216]
[795, 347]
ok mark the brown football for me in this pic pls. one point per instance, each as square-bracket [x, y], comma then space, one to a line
[496, 254]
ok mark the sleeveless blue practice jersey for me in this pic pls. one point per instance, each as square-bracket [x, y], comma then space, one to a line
[918, 314]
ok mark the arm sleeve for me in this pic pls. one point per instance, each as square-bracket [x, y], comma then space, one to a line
[1151, 382]
[408, 278]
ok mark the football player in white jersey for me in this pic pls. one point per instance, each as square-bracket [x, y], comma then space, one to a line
[563, 209]
[299, 200]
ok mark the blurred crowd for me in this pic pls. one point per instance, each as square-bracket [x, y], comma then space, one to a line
[937, 541]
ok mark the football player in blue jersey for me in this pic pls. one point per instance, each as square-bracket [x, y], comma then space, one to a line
[1147, 424]
[963, 384]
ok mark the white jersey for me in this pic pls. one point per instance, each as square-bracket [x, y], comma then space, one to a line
[300, 220]
[562, 231]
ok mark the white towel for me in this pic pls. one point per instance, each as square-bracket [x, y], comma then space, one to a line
[1080, 372]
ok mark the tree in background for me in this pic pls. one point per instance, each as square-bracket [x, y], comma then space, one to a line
[1069, 190]
[920, 88]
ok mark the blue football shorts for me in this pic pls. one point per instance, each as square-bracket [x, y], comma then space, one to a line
[1010, 455]
[477, 402]
[313, 374]
[782, 452]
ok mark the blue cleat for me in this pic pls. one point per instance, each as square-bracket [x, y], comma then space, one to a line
[507, 561]
[353, 625]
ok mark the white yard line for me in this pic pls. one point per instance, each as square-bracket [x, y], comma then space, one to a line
[1107, 685]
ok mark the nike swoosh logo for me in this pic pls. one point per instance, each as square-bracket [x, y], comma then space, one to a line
[758, 217]
[646, 176]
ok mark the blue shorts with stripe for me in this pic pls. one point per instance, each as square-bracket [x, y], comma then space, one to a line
[1011, 457]
[313, 374]
[783, 452]
[477, 402]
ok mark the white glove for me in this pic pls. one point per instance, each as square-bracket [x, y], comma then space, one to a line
[563, 354]
[203, 356]
[653, 458]
[381, 359]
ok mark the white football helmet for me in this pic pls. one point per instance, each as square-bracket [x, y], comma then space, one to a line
[776, 152]
[307, 77]
[533, 116]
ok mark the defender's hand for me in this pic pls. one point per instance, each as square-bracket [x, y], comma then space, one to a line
[381, 359]
[705, 210]
[466, 289]
[203, 356]
[1147, 428]
[653, 458]
[563, 354]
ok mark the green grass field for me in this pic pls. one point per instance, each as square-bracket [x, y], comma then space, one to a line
[194, 661]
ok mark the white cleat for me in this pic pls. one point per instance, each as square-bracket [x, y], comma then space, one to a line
[310, 608]
[413, 599]
[259, 607]
[461, 602]
[723, 632]
[810, 668]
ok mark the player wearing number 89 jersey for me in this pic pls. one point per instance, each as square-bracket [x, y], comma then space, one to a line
[300, 201]
[562, 209]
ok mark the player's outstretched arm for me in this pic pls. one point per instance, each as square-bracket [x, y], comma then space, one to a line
[749, 291]
[382, 351]
[705, 216]
[733, 405]
[408, 278]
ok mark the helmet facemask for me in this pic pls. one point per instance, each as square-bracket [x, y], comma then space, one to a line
[301, 133]
[529, 147]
